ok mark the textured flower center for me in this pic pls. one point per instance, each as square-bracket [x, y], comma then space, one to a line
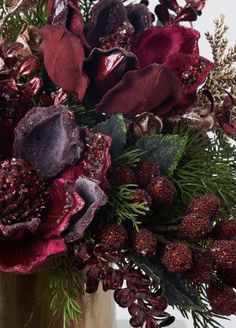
[190, 76]
[23, 194]
[120, 39]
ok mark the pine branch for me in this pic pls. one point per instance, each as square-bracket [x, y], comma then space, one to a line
[208, 166]
[86, 6]
[122, 207]
[130, 157]
[66, 283]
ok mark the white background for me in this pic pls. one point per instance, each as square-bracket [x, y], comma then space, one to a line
[205, 23]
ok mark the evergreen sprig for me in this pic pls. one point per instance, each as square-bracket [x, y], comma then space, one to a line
[121, 205]
[86, 6]
[207, 166]
[66, 283]
[130, 157]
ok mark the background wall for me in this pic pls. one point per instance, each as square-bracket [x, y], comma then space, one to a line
[205, 23]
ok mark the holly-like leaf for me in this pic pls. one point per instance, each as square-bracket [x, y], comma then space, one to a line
[116, 129]
[165, 150]
[177, 290]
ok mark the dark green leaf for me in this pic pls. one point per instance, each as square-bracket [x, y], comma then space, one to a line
[115, 128]
[165, 150]
[174, 287]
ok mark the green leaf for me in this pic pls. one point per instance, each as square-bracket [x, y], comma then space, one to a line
[165, 150]
[116, 129]
[174, 287]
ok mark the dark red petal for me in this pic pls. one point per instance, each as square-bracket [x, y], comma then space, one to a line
[163, 15]
[57, 12]
[186, 15]
[29, 65]
[153, 88]
[48, 138]
[106, 17]
[94, 198]
[32, 87]
[65, 202]
[106, 68]
[20, 228]
[140, 17]
[191, 70]
[29, 255]
[197, 4]
[170, 4]
[64, 58]
[158, 43]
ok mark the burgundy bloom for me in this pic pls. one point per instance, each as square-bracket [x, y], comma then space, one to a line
[38, 241]
[154, 88]
[48, 138]
[106, 68]
[156, 44]
[64, 59]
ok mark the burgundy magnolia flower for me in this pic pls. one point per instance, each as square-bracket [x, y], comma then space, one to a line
[32, 217]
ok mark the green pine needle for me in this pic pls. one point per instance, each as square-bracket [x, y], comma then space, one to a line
[66, 283]
[206, 167]
[86, 6]
[122, 207]
[130, 157]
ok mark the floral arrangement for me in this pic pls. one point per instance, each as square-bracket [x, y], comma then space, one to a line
[108, 173]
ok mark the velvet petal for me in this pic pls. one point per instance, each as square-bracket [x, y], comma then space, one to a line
[191, 72]
[94, 198]
[156, 44]
[20, 228]
[106, 17]
[106, 68]
[140, 17]
[29, 255]
[154, 88]
[65, 202]
[48, 138]
[64, 59]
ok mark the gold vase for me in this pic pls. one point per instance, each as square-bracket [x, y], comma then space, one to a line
[21, 306]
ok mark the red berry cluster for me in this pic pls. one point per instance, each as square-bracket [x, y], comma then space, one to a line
[155, 190]
[139, 295]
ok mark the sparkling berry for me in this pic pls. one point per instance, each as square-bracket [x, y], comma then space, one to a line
[146, 171]
[177, 257]
[201, 271]
[206, 205]
[194, 226]
[142, 197]
[222, 298]
[225, 229]
[161, 191]
[114, 237]
[223, 252]
[123, 176]
[144, 242]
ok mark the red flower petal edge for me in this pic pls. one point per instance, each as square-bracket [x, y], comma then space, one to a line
[64, 58]
[156, 44]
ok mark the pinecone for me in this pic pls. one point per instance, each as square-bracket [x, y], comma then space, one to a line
[177, 257]
[223, 253]
[114, 237]
[161, 191]
[222, 299]
[194, 226]
[225, 229]
[227, 276]
[206, 205]
[23, 194]
[201, 271]
[146, 172]
[142, 197]
[144, 242]
[123, 175]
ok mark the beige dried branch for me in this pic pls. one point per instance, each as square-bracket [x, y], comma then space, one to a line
[224, 75]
